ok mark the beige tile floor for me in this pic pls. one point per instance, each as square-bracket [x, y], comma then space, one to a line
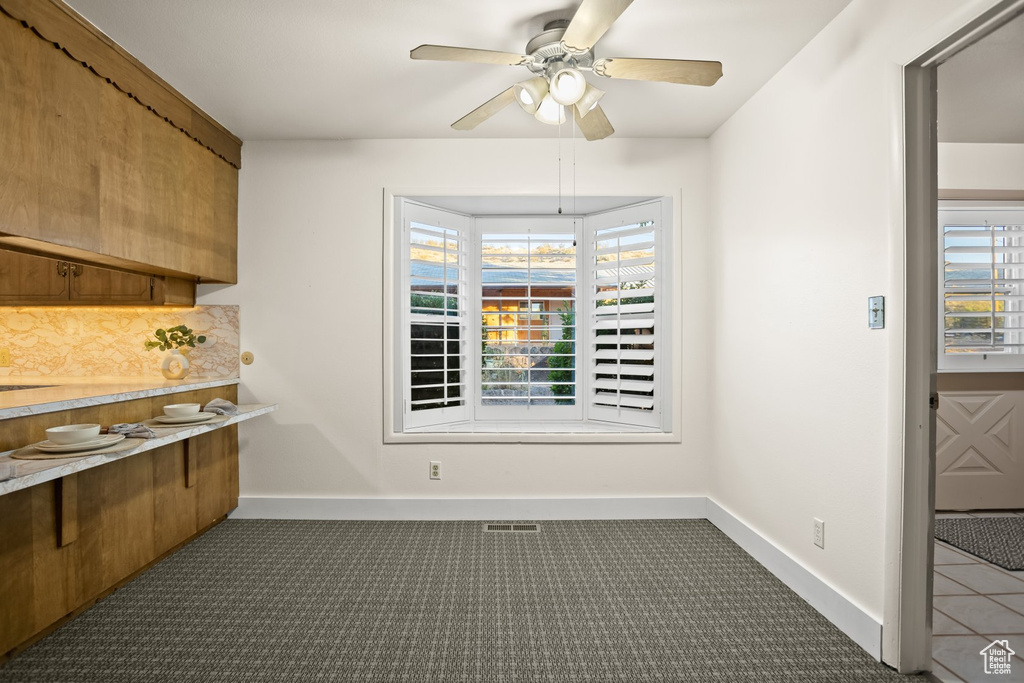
[975, 602]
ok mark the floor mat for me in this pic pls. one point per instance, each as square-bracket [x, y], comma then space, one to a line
[999, 540]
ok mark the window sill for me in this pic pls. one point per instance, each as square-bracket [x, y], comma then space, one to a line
[532, 432]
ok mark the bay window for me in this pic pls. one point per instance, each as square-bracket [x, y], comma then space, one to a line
[546, 323]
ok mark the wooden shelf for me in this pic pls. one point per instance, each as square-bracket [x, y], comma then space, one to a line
[32, 472]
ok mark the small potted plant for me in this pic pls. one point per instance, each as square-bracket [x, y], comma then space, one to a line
[179, 341]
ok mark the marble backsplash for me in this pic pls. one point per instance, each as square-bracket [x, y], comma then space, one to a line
[103, 342]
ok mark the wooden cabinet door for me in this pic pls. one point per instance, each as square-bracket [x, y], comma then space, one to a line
[27, 280]
[102, 286]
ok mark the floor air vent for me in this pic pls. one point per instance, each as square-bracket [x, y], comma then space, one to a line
[512, 528]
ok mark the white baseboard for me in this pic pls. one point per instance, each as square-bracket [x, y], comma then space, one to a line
[846, 616]
[470, 508]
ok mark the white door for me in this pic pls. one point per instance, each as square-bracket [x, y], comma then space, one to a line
[979, 456]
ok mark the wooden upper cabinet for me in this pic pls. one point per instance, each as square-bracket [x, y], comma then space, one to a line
[90, 173]
[68, 150]
[27, 280]
[99, 285]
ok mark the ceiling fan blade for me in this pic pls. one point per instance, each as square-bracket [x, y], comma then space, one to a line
[443, 53]
[684, 71]
[485, 111]
[595, 125]
[591, 21]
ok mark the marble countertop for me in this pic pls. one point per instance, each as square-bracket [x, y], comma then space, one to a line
[63, 393]
[28, 473]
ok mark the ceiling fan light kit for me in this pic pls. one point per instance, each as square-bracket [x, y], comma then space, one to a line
[550, 111]
[589, 100]
[559, 56]
[529, 93]
[567, 86]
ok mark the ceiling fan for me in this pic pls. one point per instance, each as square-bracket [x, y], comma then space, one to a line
[559, 56]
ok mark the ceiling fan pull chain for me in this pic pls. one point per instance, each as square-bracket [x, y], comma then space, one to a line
[560, 167]
[574, 215]
[573, 124]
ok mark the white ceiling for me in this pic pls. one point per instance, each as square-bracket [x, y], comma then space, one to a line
[340, 69]
[981, 89]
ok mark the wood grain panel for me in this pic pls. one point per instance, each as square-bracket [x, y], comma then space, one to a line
[19, 83]
[212, 478]
[31, 280]
[102, 286]
[122, 186]
[174, 503]
[195, 216]
[129, 513]
[223, 239]
[17, 614]
[55, 22]
[161, 170]
[49, 572]
[92, 175]
[67, 510]
[68, 149]
[85, 573]
[174, 291]
[20, 431]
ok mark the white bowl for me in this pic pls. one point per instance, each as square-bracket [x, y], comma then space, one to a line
[71, 434]
[181, 409]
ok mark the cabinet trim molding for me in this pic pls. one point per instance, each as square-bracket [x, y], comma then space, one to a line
[56, 23]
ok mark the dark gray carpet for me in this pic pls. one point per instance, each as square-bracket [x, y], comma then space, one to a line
[299, 601]
[999, 540]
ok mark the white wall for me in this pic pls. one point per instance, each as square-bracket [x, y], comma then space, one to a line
[971, 166]
[807, 225]
[310, 271]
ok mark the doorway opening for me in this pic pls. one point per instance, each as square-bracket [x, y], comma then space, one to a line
[932, 111]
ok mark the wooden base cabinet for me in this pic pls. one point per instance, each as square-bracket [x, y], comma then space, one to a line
[68, 542]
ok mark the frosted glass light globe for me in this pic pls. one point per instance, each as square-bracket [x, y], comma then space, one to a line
[567, 86]
[550, 111]
[529, 93]
[588, 102]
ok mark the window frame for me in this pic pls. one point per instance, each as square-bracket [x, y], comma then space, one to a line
[672, 215]
[971, 212]
[516, 225]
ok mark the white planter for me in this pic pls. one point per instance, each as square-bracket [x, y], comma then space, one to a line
[174, 365]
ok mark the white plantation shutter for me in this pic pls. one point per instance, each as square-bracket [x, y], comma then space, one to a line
[982, 274]
[435, 318]
[527, 306]
[624, 318]
[533, 323]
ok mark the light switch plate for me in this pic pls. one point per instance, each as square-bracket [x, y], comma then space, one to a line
[876, 312]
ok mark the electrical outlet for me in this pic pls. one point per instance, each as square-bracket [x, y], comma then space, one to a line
[5, 358]
[435, 469]
[819, 533]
